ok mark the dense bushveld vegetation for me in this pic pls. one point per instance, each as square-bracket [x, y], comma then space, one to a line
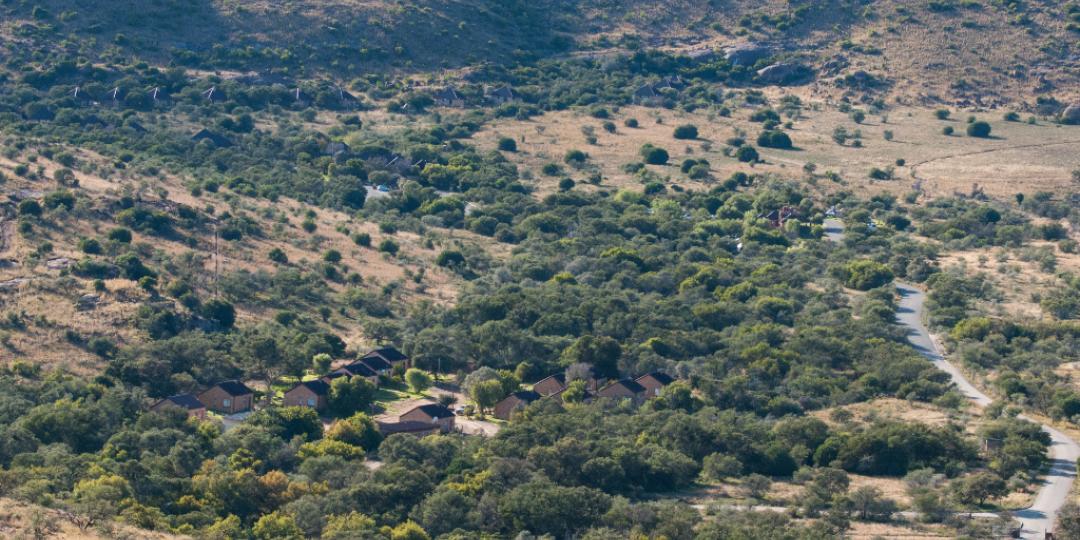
[753, 319]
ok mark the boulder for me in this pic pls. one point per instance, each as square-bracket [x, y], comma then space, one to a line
[1071, 114]
[782, 73]
[746, 54]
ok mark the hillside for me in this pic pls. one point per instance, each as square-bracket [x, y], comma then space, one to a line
[596, 269]
[985, 53]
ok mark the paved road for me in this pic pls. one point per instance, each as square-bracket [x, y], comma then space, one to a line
[834, 230]
[1064, 452]
[1058, 481]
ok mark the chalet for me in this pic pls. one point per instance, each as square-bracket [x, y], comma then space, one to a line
[335, 148]
[312, 394]
[216, 139]
[355, 369]
[514, 402]
[502, 94]
[419, 429]
[550, 385]
[187, 402]
[431, 413]
[448, 97]
[777, 218]
[645, 92]
[229, 397]
[623, 389]
[654, 382]
[389, 355]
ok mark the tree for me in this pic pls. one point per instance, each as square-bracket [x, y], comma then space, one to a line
[978, 487]
[349, 395]
[757, 485]
[320, 363]
[979, 129]
[717, 467]
[357, 430]
[602, 353]
[868, 503]
[1068, 521]
[575, 391]
[409, 531]
[351, 526]
[418, 380]
[220, 312]
[486, 394]
[277, 526]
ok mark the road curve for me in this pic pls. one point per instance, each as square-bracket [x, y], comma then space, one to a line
[1058, 480]
[1040, 517]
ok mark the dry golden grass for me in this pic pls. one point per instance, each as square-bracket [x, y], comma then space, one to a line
[50, 299]
[1019, 157]
[20, 520]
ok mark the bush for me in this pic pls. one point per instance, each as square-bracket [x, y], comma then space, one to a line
[575, 157]
[29, 207]
[90, 246]
[979, 129]
[746, 154]
[609, 127]
[948, 130]
[686, 131]
[120, 235]
[654, 155]
[278, 255]
[774, 139]
[864, 274]
[506, 144]
[942, 114]
[389, 246]
[858, 116]
[631, 122]
[362, 239]
[550, 169]
[1012, 116]
[566, 184]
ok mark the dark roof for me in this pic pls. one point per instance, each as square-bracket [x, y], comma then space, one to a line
[184, 401]
[373, 363]
[317, 386]
[560, 377]
[390, 428]
[362, 369]
[528, 396]
[629, 384]
[433, 410]
[217, 139]
[234, 388]
[447, 94]
[389, 354]
[664, 378]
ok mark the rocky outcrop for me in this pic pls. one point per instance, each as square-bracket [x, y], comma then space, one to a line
[784, 73]
[1071, 114]
[746, 54]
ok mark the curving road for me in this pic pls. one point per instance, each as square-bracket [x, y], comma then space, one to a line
[1057, 483]
[1058, 480]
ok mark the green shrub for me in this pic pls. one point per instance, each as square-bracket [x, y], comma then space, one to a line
[774, 139]
[979, 129]
[575, 157]
[654, 155]
[389, 246]
[121, 235]
[947, 130]
[630, 122]
[362, 239]
[550, 169]
[942, 114]
[746, 154]
[506, 144]
[686, 131]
